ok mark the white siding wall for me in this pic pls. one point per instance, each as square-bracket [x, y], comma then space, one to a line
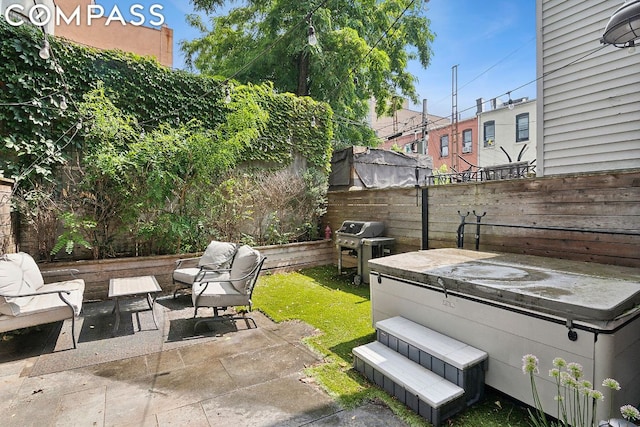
[588, 102]
[505, 121]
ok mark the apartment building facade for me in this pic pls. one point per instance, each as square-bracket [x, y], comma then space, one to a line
[507, 133]
[88, 23]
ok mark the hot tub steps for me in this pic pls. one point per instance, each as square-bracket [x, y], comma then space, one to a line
[454, 360]
[428, 394]
[435, 375]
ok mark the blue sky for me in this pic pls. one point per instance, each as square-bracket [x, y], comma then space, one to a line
[491, 41]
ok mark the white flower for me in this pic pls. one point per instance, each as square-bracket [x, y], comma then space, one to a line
[611, 383]
[596, 395]
[575, 369]
[529, 364]
[559, 362]
[630, 413]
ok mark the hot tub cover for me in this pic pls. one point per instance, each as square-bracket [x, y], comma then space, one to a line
[568, 289]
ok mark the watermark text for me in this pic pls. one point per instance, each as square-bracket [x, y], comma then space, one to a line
[41, 15]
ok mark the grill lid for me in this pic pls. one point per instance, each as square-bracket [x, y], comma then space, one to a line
[362, 229]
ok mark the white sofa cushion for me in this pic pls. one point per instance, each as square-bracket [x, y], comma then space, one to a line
[45, 308]
[17, 278]
[246, 260]
[218, 255]
[31, 272]
[25, 306]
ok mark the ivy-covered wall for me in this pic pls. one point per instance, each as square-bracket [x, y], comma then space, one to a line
[34, 128]
[76, 126]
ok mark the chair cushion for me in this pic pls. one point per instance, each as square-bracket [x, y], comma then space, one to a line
[188, 275]
[218, 294]
[218, 255]
[245, 260]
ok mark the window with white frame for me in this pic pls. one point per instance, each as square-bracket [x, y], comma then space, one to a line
[489, 131]
[467, 141]
[444, 145]
[522, 127]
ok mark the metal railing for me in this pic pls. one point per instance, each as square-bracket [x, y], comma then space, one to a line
[478, 223]
[517, 170]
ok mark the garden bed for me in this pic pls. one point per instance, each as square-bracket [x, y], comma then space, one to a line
[96, 273]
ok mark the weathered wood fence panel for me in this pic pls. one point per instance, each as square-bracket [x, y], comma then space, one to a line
[605, 202]
[96, 274]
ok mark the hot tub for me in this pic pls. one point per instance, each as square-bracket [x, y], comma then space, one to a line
[510, 305]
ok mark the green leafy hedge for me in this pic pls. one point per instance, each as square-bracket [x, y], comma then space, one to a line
[147, 154]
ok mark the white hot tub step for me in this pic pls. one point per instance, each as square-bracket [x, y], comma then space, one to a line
[428, 394]
[454, 360]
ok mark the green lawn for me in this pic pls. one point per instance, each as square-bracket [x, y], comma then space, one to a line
[342, 314]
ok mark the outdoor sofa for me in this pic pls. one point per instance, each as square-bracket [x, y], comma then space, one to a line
[25, 300]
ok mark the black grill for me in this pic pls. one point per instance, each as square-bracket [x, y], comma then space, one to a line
[351, 233]
[361, 238]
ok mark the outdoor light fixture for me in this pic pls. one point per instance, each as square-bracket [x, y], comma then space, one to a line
[44, 51]
[623, 26]
[227, 95]
[510, 102]
[313, 40]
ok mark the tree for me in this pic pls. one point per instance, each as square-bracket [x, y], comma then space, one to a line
[363, 51]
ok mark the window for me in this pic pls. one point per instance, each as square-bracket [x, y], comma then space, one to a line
[444, 145]
[489, 133]
[467, 143]
[522, 127]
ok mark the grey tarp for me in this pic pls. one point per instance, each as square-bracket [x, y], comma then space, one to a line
[375, 168]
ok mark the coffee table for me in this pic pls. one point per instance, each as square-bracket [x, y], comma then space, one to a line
[132, 287]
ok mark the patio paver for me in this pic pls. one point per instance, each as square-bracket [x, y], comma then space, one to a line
[242, 377]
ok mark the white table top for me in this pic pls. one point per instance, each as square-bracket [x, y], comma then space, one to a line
[133, 286]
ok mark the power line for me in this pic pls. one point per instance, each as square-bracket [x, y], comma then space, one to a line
[500, 61]
[75, 127]
[448, 118]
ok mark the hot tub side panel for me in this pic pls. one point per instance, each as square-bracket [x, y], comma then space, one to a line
[506, 334]
[617, 356]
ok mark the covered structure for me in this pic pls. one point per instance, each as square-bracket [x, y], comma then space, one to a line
[364, 167]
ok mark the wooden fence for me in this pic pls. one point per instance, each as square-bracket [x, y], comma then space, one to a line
[606, 202]
[96, 274]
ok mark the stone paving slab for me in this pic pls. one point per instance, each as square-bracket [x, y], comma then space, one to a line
[230, 376]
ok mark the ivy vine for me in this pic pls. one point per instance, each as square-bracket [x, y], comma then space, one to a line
[145, 143]
[37, 135]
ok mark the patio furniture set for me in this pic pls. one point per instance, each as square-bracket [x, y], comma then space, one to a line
[224, 276]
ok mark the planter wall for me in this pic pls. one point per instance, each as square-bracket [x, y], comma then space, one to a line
[96, 274]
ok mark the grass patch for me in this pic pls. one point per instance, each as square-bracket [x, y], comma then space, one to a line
[342, 314]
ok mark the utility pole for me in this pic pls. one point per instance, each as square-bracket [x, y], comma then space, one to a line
[425, 131]
[454, 118]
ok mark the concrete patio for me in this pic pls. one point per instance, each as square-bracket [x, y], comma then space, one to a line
[228, 374]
